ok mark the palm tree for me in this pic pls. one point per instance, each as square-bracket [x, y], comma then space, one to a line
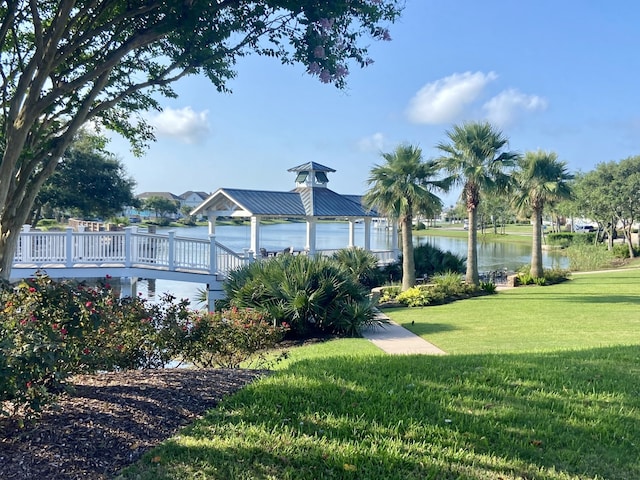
[541, 181]
[400, 188]
[476, 160]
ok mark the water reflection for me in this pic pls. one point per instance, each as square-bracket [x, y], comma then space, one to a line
[491, 255]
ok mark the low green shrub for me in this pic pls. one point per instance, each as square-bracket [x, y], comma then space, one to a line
[445, 287]
[488, 287]
[414, 297]
[389, 294]
[566, 239]
[550, 276]
[451, 282]
[585, 257]
[621, 250]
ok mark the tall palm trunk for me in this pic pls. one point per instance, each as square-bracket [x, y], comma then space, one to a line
[472, 276]
[536, 246]
[408, 262]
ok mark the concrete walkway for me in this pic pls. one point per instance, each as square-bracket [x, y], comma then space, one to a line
[397, 340]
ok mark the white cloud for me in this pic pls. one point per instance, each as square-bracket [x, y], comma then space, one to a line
[504, 108]
[182, 124]
[444, 100]
[372, 143]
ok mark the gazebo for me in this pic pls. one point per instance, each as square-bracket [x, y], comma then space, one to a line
[311, 200]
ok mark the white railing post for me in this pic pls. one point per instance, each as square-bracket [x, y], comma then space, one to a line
[26, 244]
[69, 247]
[248, 256]
[213, 257]
[171, 253]
[128, 247]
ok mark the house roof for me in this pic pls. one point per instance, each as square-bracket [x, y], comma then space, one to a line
[202, 195]
[167, 195]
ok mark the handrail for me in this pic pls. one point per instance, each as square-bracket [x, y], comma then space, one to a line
[128, 248]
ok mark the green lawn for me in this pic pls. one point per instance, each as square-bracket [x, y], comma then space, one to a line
[562, 400]
[591, 310]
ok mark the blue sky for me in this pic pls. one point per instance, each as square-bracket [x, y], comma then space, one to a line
[560, 76]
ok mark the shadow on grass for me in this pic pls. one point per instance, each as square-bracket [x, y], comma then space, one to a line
[428, 328]
[561, 415]
[603, 299]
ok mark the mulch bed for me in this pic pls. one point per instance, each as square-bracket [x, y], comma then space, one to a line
[110, 420]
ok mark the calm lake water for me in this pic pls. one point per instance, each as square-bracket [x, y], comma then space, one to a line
[491, 255]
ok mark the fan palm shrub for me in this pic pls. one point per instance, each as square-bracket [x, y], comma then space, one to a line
[307, 293]
[362, 264]
[430, 260]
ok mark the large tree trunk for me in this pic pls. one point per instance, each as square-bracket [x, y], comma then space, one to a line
[10, 228]
[472, 276]
[536, 246]
[408, 262]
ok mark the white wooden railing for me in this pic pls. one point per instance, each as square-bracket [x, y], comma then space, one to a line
[128, 248]
[131, 250]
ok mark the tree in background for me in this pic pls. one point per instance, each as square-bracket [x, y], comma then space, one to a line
[161, 206]
[610, 194]
[475, 158]
[401, 188]
[495, 210]
[540, 181]
[88, 182]
[67, 62]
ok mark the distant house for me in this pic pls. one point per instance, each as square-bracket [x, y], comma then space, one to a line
[192, 199]
[146, 214]
[167, 195]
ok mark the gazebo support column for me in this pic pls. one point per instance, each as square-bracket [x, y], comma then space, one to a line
[367, 233]
[352, 233]
[394, 238]
[212, 223]
[255, 234]
[310, 247]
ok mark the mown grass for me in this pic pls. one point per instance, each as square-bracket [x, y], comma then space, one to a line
[343, 410]
[590, 310]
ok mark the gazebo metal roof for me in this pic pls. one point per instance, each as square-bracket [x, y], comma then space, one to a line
[313, 200]
[310, 200]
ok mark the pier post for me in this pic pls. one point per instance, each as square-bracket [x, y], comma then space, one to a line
[367, 234]
[128, 238]
[213, 294]
[352, 233]
[172, 246]
[128, 286]
[213, 258]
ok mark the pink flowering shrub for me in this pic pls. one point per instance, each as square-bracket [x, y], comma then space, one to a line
[52, 330]
[230, 337]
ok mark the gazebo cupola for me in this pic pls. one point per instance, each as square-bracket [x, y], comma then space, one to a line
[311, 174]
